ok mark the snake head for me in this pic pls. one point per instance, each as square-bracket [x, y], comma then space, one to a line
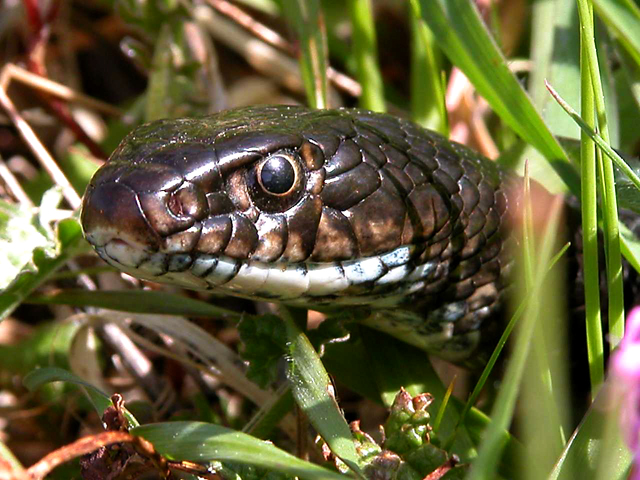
[293, 204]
[319, 208]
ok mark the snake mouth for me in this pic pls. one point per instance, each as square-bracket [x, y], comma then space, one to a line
[385, 278]
[134, 231]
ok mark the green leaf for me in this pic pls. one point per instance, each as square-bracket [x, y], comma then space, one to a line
[311, 387]
[265, 343]
[49, 344]
[100, 400]
[628, 196]
[79, 166]
[596, 450]
[204, 442]
[20, 235]
[31, 251]
[136, 301]
[306, 17]
[623, 17]
[427, 76]
[346, 362]
[365, 51]
[555, 51]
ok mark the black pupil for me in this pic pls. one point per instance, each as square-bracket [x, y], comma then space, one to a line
[277, 175]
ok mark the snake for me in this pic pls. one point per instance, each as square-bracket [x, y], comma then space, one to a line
[325, 209]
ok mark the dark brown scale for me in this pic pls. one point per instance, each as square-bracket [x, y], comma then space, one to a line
[377, 222]
[469, 194]
[190, 201]
[395, 156]
[335, 239]
[272, 237]
[351, 187]
[215, 234]
[473, 246]
[152, 178]
[347, 156]
[244, 238]
[302, 225]
[341, 125]
[417, 174]
[370, 151]
[203, 168]
[394, 178]
[219, 203]
[184, 241]
[426, 206]
[328, 143]
[312, 155]
[242, 147]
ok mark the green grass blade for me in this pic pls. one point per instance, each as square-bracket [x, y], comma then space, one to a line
[490, 450]
[427, 83]
[632, 78]
[311, 386]
[10, 463]
[137, 301]
[555, 52]
[460, 33]
[99, 399]
[623, 17]
[630, 246]
[596, 443]
[205, 442]
[306, 18]
[160, 78]
[266, 420]
[365, 51]
[604, 50]
[607, 183]
[590, 226]
[597, 139]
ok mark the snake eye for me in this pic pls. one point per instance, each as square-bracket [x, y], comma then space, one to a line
[276, 182]
[277, 174]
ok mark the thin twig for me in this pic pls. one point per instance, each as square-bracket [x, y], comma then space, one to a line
[138, 364]
[41, 23]
[13, 185]
[273, 38]
[258, 29]
[41, 153]
[13, 72]
[76, 449]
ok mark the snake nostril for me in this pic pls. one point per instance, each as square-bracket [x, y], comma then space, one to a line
[188, 201]
[175, 205]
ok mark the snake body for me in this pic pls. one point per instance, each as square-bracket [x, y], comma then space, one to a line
[326, 209]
